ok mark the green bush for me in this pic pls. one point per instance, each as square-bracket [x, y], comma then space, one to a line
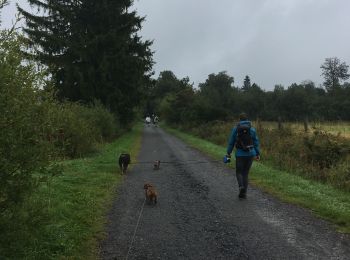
[324, 150]
[35, 127]
[78, 128]
[74, 135]
[339, 176]
[104, 121]
[23, 122]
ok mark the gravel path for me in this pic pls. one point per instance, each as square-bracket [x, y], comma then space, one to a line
[199, 216]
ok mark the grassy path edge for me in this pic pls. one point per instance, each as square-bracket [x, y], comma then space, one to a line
[66, 217]
[104, 167]
[323, 200]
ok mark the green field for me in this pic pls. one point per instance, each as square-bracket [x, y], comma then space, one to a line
[65, 218]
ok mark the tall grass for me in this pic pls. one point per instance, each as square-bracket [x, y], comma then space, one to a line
[340, 128]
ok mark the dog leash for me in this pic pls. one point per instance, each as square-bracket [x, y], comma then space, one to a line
[178, 162]
[137, 225]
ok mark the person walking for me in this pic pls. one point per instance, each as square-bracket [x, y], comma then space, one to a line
[148, 120]
[245, 139]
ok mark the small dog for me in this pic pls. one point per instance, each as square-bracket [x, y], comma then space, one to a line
[156, 165]
[150, 193]
[124, 160]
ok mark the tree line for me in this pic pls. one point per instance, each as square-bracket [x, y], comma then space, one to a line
[218, 98]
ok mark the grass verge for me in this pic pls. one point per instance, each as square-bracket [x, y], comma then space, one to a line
[323, 200]
[65, 218]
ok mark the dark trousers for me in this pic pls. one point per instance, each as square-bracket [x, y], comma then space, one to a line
[243, 165]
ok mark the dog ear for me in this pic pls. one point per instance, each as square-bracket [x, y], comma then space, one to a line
[146, 186]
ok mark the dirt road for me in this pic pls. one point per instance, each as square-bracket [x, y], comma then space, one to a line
[199, 216]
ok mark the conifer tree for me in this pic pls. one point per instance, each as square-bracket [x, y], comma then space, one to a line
[93, 50]
[246, 84]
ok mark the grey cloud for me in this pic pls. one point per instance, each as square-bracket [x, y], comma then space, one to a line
[273, 41]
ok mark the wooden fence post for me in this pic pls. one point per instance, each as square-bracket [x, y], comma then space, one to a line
[306, 125]
[279, 123]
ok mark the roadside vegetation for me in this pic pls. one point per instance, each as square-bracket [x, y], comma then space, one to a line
[37, 130]
[60, 122]
[316, 155]
[324, 200]
[337, 128]
[65, 217]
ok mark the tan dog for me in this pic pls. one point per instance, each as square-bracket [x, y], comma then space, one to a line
[156, 165]
[150, 193]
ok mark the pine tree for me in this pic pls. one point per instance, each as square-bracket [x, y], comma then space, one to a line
[246, 84]
[93, 51]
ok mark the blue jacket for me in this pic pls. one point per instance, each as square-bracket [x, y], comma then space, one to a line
[240, 152]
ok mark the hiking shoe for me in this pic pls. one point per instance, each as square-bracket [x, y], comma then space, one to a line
[242, 193]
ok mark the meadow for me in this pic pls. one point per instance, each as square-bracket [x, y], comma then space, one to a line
[340, 128]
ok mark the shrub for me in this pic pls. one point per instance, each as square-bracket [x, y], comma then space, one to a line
[33, 125]
[77, 129]
[104, 121]
[324, 150]
[23, 122]
[73, 134]
[339, 176]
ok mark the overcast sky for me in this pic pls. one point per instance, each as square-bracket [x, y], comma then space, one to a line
[272, 41]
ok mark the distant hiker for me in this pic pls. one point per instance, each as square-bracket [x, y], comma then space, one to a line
[245, 139]
[147, 120]
[156, 120]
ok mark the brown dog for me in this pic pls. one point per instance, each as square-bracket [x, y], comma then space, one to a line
[156, 165]
[150, 193]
